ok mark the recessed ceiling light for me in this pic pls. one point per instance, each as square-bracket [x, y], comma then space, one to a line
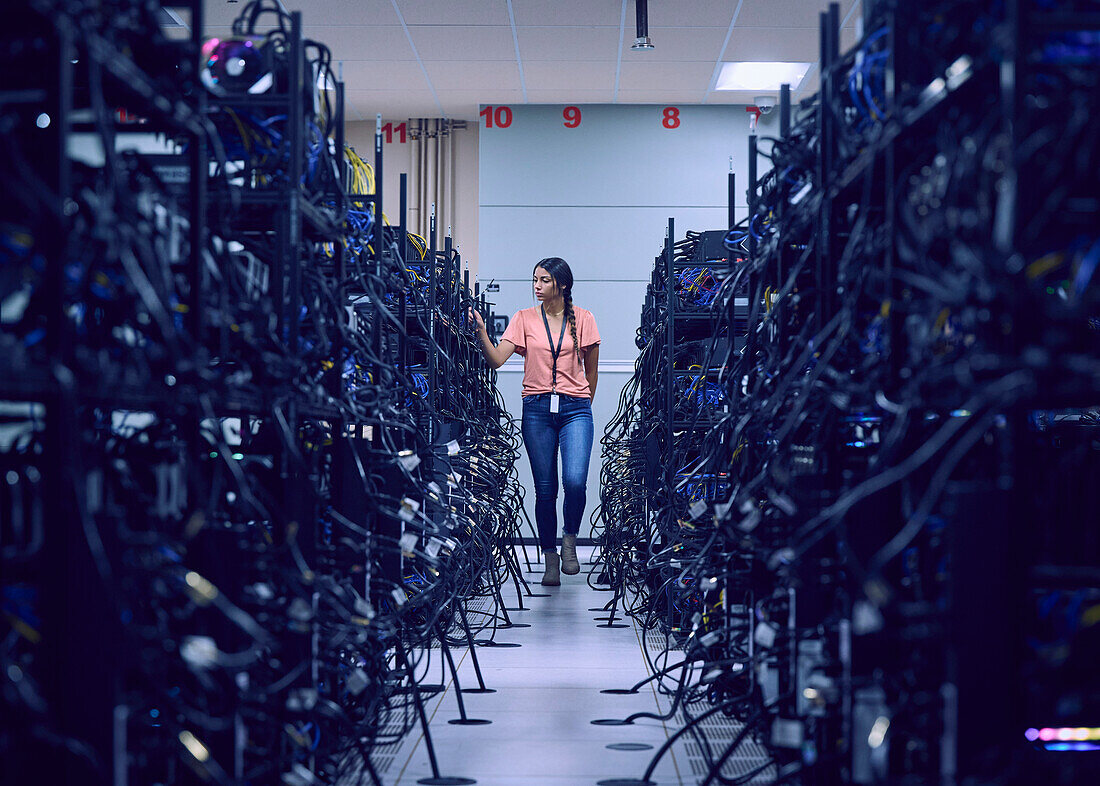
[760, 76]
[167, 18]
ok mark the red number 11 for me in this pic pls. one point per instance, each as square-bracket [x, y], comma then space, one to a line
[400, 130]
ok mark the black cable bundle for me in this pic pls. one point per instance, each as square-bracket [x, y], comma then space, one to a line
[237, 521]
[882, 567]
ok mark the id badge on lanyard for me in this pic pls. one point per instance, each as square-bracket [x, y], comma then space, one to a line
[555, 399]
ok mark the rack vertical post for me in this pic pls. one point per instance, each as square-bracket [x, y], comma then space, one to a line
[197, 158]
[296, 124]
[403, 245]
[731, 198]
[432, 283]
[780, 208]
[339, 250]
[670, 339]
[444, 396]
[378, 240]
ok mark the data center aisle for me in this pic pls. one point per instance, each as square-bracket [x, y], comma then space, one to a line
[547, 694]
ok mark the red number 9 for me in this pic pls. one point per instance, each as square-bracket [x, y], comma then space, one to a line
[572, 116]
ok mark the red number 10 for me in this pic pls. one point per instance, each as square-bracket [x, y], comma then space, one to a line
[571, 116]
[502, 115]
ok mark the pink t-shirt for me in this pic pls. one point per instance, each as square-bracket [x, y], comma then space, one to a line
[528, 333]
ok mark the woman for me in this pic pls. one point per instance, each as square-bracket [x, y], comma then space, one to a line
[560, 346]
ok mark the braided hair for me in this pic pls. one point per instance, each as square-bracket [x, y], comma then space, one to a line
[559, 270]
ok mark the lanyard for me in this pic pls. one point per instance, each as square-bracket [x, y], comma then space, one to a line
[553, 352]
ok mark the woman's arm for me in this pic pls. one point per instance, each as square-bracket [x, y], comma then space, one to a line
[591, 367]
[495, 354]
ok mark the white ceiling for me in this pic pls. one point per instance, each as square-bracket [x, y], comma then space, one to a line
[444, 58]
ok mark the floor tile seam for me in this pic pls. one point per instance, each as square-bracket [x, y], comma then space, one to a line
[431, 718]
[672, 748]
[640, 636]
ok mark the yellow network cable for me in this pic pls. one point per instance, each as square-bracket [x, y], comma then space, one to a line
[362, 173]
[245, 133]
[694, 387]
[1045, 264]
[420, 244]
[362, 176]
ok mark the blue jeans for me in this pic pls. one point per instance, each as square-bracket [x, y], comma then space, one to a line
[571, 429]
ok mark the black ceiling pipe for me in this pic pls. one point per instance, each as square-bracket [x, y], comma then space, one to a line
[641, 38]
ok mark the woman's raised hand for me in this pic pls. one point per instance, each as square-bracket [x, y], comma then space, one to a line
[475, 317]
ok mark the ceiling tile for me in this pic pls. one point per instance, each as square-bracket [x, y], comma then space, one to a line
[569, 96]
[568, 48]
[352, 12]
[698, 13]
[464, 75]
[582, 75]
[465, 104]
[852, 14]
[323, 12]
[847, 38]
[810, 85]
[679, 43]
[571, 12]
[796, 13]
[383, 75]
[454, 12]
[362, 42]
[463, 42]
[568, 43]
[779, 44]
[393, 103]
[220, 13]
[506, 96]
[659, 96]
[183, 14]
[666, 76]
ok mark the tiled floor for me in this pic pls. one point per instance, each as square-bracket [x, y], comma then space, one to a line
[548, 691]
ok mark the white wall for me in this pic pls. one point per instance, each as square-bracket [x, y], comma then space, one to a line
[600, 196]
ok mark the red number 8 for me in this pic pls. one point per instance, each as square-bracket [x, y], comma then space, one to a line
[671, 117]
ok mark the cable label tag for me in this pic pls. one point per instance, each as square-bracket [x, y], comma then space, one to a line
[408, 543]
[698, 508]
[555, 403]
[764, 635]
[452, 447]
[408, 509]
